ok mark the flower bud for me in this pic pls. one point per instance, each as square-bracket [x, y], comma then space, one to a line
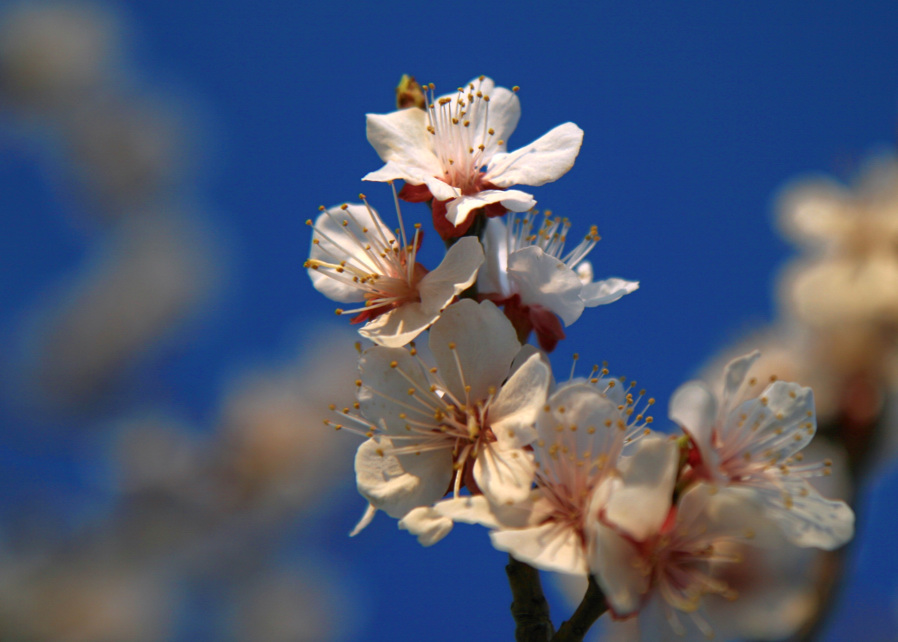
[409, 93]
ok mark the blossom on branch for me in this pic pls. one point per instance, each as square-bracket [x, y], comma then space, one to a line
[657, 557]
[455, 152]
[528, 272]
[581, 433]
[464, 423]
[356, 259]
[756, 444]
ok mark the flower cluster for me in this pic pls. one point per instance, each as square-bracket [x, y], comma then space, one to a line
[568, 477]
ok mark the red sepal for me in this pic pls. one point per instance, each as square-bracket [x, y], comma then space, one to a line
[415, 193]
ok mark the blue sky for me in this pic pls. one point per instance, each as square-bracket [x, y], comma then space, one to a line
[694, 114]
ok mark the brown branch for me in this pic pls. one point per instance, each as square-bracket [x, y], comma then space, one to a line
[529, 606]
[591, 609]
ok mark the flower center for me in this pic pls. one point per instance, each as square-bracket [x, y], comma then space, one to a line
[462, 136]
[369, 259]
[550, 237]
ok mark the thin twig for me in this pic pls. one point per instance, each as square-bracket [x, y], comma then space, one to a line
[591, 609]
[529, 606]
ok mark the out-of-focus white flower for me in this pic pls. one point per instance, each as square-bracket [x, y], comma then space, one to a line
[580, 435]
[88, 600]
[129, 151]
[154, 452]
[851, 235]
[51, 55]
[529, 273]
[770, 593]
[294, 605]
[756, 444]
[355, 258]
[464, 422]
[456, 150]
[652, 556]
[271, 442]
[158, 270]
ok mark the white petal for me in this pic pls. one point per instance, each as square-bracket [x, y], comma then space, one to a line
[640, 506]
[335, 244]
[393, 171]
[397, 487]
[541, 279]
[485, 345]
[844, 289]
[367, 516]
[504, 476]
[469, 510]
[504, 110]
[607, 291]
[528, 350]
[546, 159]
[514, 411]
[401, 137]
[713, 511]
[456, 273]
[584, 272]
[492, 278]
[383, 396]
[478, 510]
[441, 190]
[811, 520]
[597, 420]
[613, 561]
[694, 408]
[504, 113]
[458, 210]
[426, 524]
[781, 421]
[734, 374]
[818, 210]
[550, 547]
[399, 326]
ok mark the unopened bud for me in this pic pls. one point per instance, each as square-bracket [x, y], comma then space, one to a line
[409, 93]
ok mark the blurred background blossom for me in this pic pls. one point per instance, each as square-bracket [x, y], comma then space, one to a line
[166, 365]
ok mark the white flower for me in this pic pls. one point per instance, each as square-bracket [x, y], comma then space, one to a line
[457, 149]
[355, 258]
[465, 422]
[528, 271]
[581, 433]
[850, 271]
[756, 444]
[653, 556]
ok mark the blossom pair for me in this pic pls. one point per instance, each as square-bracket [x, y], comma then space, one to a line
[355, 258]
